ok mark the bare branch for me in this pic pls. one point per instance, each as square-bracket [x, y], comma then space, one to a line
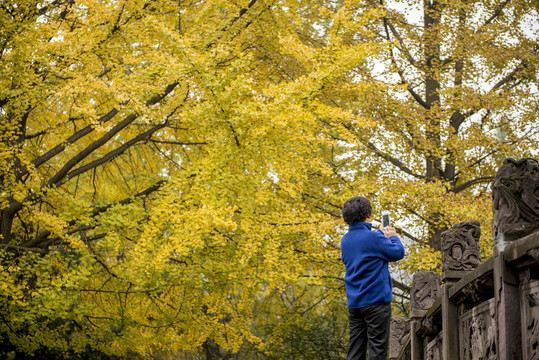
[510, 76]
[72, 139]
[401, 286]
[410, 236]
[396, 34]
[177, 142]
[145, 192]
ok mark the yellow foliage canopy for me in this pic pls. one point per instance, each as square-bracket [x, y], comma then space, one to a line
[169, 169]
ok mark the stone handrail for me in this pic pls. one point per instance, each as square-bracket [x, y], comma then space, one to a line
[484, 310]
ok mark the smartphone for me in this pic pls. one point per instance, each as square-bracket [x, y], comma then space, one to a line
[385, 219]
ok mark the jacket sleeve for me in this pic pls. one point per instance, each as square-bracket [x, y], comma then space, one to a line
[391, 249]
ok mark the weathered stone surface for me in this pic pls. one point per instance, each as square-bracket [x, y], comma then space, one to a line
[530, 320]
[400, 329]
[477, 335]
[433, 349]
[515, 192]
[426, 288]
[460, 247]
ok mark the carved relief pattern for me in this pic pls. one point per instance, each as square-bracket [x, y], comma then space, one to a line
[477, 335]
[515, 192]
[433, 349]
[460, 247]
[425, 290]
[530, 319]
[400, 329]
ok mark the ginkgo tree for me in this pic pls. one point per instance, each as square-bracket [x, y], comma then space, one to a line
[155, 156]
[451, 93]
[172, 172]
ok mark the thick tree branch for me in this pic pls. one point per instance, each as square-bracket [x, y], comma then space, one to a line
[43, 240]
[401, 286]
[64, 174]
[242, 12]
[181, 143]
[21, 249]
[88, 129]
[467, 184]
[511, 76]
[111, 155]
[496, 13]
[415, 95]
[393, 160]
[56, 178]
[72, 139]
[409, 236]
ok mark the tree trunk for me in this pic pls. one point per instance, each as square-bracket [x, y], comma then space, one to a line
[432, 13]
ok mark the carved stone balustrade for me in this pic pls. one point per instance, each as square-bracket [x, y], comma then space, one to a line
[486, 310]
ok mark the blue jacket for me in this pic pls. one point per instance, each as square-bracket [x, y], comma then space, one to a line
[365, 254]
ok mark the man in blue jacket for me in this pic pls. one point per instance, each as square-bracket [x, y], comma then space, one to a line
[366, 254]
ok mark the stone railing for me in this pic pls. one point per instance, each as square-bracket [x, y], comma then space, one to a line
[484, 310]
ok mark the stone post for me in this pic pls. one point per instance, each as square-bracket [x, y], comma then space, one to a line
[460, 255]
[507, 297]
[425, 290]
[460, 251]
[400, 329]
[516, 214]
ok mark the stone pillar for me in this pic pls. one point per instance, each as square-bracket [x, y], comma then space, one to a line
[516, 214]
[507, 297]
[425, 290]
[460, 255]
[450, 325]
[400, 330]
[529, 308]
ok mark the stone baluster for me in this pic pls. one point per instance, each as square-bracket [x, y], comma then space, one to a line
[460, 255]
[515, 206]
[400, 329]
[425, 290]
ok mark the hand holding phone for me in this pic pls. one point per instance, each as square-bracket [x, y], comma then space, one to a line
[385, 219]
[386, 226]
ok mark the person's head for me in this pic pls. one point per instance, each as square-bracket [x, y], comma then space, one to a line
[356, 209]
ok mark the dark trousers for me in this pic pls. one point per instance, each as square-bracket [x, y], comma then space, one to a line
[369, 328]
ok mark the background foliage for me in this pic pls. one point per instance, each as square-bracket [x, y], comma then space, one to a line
[172, 172]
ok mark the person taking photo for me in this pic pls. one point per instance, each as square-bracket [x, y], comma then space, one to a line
[366, 254]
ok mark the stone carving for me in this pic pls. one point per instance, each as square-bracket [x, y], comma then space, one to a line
[426, 288]
[515, 192]
[460, 247]
[433, 349]
[400, 329]
[478, 333]
[430, 326]
[530, 298]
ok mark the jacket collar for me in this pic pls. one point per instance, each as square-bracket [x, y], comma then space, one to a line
[361, 226]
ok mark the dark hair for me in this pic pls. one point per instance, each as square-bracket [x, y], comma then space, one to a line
[356, 209]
